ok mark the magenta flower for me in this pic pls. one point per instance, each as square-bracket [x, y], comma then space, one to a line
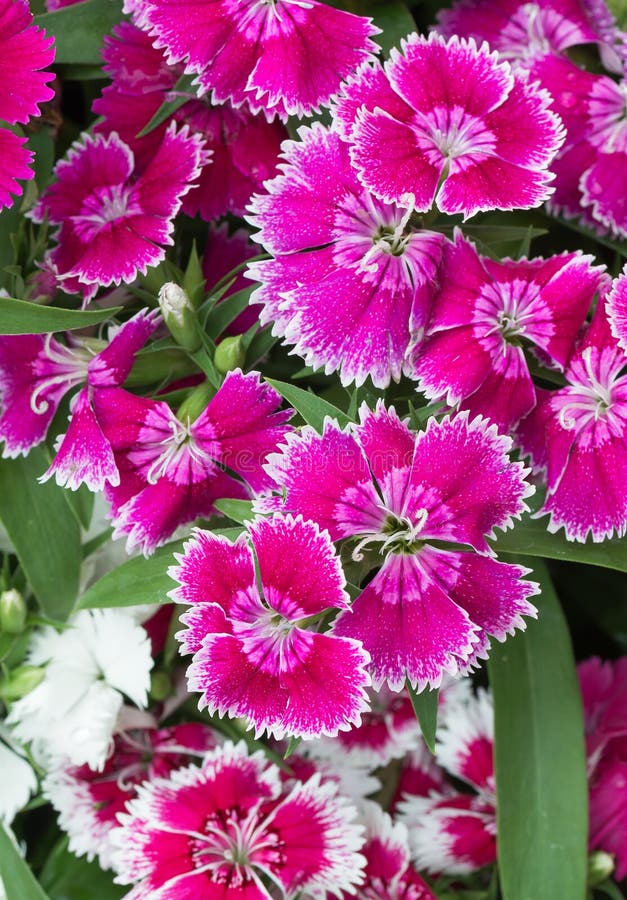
[257, 651]
[37, 371]
[473, 353]
[579, 435]
[453, 832]
[89, 801]
[113, 224]
[243, 147]
[172, 472]
[389, 874]
[24, 51]
[453, 127]
[228, 830]
[286, 57]
[352, 281]
[428, 610]
[223, 252]
[524, 32]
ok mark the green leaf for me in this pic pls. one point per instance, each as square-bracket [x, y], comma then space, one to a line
[21, 317]
[226, 311]
[139, 580]
[79, 29]
[238, 510]
[43, 530]
[81, 503]
[611, 890]
[193, 279]
[540, 760]
[395, 22]
[425, 706]
[313, 409]
[135, 582]
[529, 537]
[68, 877]
[182, 92]
[19, 882]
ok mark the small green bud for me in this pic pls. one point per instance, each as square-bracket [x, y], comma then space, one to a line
[600, 867]
[13, 612]
[229, 355]
[180, 316]
[160, 685]
[21, 681]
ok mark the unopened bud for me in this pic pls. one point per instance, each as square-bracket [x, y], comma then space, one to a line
[180, 316]
[13, 612]
[600, 867]
[229, 354]
[160, 686]
[21, 681]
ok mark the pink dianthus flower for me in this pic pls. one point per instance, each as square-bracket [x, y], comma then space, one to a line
[172, 471]
[473, 351]
[446, 123]
[285, 57]
[578, 434]
[228, 829]
[112, 222]
[351, 282]
[428, 609]
[257, 651]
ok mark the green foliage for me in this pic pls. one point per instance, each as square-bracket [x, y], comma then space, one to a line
[425, 706]
[313, 409]
[79, 30]
[19, 882]
[21, 317]
[540, 761]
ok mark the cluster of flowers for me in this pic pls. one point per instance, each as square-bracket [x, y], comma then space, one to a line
[173, 808]
[366, 563]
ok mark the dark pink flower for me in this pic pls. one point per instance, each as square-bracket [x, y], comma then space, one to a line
[453, 832]
[483, 314]
[243, 147]
[285, 57]
[37, 371]
[453, 127]
[172, 472]
[24, 51]
[351, 283]
[227, 830]
[389, 874]
[579, 435]
[89, 801]
[604, 691]
[429, 609]
[523, 32]
[257, 651]
[114, 224]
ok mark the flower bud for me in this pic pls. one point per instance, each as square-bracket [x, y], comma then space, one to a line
[600, 867]
[229, 354]
[180, 316]
[13, 612]
[21, 681]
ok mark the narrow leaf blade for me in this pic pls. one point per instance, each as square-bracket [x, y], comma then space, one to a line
[44, 531]
[21, 317]
[137, 581]
[540, 758]
[425, 706]
[313, 409]
[238, 510]
[19, 882]
[79, 30]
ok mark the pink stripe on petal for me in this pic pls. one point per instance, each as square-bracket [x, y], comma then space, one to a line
[200, 620]
[368, 87]
[507, 394]
[411, 629]
[112, 365]
[298, 565]
[617, 309]
[598, 187]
